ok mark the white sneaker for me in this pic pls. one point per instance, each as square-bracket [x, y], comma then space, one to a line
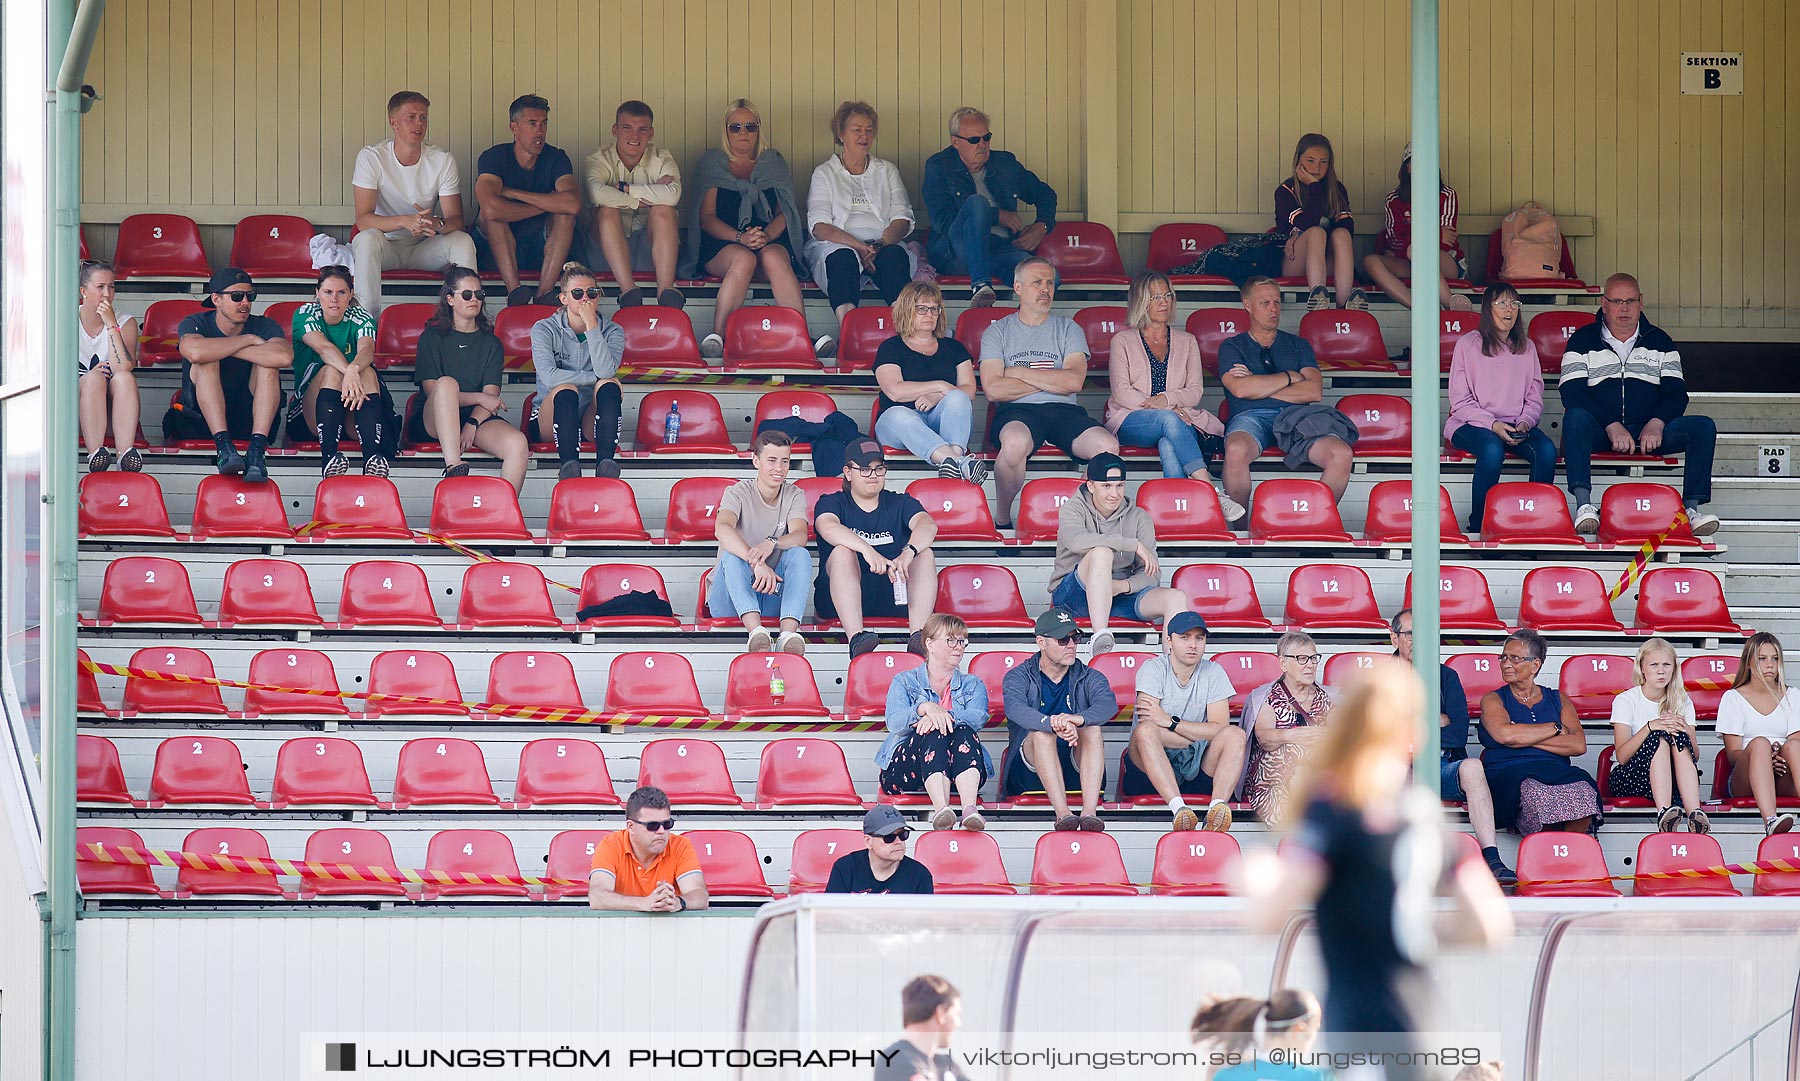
[760, 641]
[825, 347]
[712, 347]
[791, 642]
[1587, 518]
[1232, 509]
[1103, 643]
[1701, 523]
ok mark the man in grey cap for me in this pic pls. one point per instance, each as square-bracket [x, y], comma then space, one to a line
[1182, 740]
[1055, 706]
[1106, 557]
[884, 866]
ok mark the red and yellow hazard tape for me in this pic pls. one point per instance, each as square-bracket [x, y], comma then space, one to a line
[1645, 554]
[545, 714]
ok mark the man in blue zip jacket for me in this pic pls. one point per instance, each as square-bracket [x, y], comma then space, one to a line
[1055, 707]
[972, 193]
[1622, 389]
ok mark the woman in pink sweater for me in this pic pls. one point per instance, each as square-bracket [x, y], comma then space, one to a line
[1497, 398]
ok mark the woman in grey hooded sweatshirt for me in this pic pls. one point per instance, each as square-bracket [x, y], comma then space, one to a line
[576, 353]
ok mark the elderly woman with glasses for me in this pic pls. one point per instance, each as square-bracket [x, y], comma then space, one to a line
[933, 714]
[1531, 733]
[927, 382]
[1288, 724]
[1497, 398]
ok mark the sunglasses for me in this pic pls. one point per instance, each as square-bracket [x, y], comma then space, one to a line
[1064, 640]
[977, 140]
[738, 129]
[656, 825]
[584, 294]
[900, 834]
[240, 296]
[467, 294]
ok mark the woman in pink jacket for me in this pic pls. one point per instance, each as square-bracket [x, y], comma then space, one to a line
[1157, 384]
[1497, 397]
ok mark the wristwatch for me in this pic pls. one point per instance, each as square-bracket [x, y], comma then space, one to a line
[1173, 721]
[683, 901]
[910, 548]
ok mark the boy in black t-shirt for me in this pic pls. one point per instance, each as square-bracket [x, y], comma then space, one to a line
[528, 201]
[231, 365]
[884, 866]
[875, 548]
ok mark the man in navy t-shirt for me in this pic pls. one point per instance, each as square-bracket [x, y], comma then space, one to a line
[231, 365]
[528, 202]
[874, 546]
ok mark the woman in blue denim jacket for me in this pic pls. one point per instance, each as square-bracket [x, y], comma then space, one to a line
[933, 714]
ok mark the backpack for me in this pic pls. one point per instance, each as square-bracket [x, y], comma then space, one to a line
[1530, 243]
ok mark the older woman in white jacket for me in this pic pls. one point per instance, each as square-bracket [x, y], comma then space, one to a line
[858, 212]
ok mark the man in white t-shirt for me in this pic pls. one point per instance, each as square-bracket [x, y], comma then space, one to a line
[1182, 730]
[409, 210]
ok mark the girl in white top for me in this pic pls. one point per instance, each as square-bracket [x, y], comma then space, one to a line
[108, 390]
[1756, 717]
[1654, 745]
[858, 211]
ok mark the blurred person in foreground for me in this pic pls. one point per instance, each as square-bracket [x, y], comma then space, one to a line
[931, 1010]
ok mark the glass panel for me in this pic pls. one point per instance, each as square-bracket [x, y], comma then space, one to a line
[22, 452]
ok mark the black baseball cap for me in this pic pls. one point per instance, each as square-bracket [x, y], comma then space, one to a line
[1056, 623]
[1106, 467]
[864, 453]
[222, 280]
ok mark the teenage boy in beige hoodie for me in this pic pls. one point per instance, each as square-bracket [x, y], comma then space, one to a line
[1106, 557]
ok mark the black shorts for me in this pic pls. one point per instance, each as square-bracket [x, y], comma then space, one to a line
[1018, 779]
[1135, 782]
[415, 422]
[181, 423]
[1056, 423]
[877, 595]
[529, 236]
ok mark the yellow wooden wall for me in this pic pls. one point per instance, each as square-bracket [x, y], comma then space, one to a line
[217, 108]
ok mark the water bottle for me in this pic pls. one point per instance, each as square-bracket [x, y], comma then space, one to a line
[900, 592]
[777, 687]
[671, 425]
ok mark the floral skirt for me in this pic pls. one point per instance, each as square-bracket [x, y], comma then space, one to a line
[920, 755]
[1542, 805]
[1632, 777]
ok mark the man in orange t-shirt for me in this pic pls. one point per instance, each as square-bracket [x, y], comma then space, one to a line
[646, 867]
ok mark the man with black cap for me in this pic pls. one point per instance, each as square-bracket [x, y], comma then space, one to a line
[875, 547]
[1106, 557]
[1055, 706]
[231, 365]
[1182, 740]
[884, 866]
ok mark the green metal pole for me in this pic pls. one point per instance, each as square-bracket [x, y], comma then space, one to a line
[1427, 649]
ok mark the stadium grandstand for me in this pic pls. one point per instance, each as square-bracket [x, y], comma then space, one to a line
[438, 688]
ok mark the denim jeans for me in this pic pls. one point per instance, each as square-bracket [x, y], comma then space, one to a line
[1175, 440]
[731, 593]
[1490, 451]
[968, 242]
[1583, 435]
[923, 431]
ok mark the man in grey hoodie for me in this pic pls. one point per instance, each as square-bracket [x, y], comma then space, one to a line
[1106, 557]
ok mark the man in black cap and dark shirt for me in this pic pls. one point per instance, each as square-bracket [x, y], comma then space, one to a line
[231, 365]
[1055, 706]
[874, 553]
[884, 866]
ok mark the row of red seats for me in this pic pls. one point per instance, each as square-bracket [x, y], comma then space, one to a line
[1573, 865]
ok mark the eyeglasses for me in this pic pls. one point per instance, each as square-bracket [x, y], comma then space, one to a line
[240, 296]
[1509, 305]
[1403, 634]
[1508, 658]
[738, 129]
[977, 140]
[585, 294]
[1162, 296]
[872, 471]
[1623, 302]
[955, 643]
[466, 294]
[900, 834]
[655, 825]
[929, 309]
[1303, 658]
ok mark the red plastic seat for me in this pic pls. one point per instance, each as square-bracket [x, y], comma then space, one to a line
[1184, 509]
[559, 770]
[652, 683]
[505, 594]
[809, 866]
[99, 776]
[87, 688]
[804, 770]
[867, 681]
[1721, 787]
[658, 337]
[301, 669]
[959, 508]
[571, 858]
[815, 489]
[1040, 501]
[1247, 670]
[689, 770]
[1551, 331]
[1195, 864]
[1099, 324]
[702, 424]
[226, 841]
[1332, 596]
[1342, 669]
[320, 770]
[353, 507]
[1603, 777]
[478, 852]
[146, 695]
[1523, 512]
[224, 506]
[747, 687]
[1390, 515]
[199, 769]
[730, 863]
[1087, 864]
[1706, 679]
[146, 589]
[991, 668]
[1223, 593]
[1452, 325]
[1563, 865]
[1592, 680]
[273, 246]
[863, 331]
[441, 769]
[351, 847]
[1383, 423]
[1683, 854]
[1683, 600]
[283, 312]
[963, 863]
[267, 591]
[158, 342]
[604, 581]
[1464, 601]
[767, 336]
[120, 504]
[984, 595]
[477, 508]
[1084, 253]
[159, 246]
[102, 878]
[1778, 846]
[1345, 340]
[1177, 244]
[594, 508]
[535, 679]
[809, 405]
[1566, 599]
[1121, 671]
[1479, 673]
[414, 673]
[1564, 278]
[1213, 326]
[386, 593]
[1296, 509]
[513, 327]
[973, 323]
[1633, 513]
[397, 333]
